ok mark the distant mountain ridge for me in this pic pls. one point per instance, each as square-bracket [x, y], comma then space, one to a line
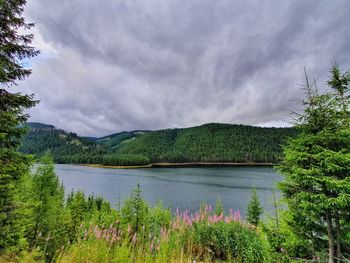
[212, 142]
[39, 125]
[43, 137]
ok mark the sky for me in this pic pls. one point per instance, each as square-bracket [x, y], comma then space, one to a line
[107, 65]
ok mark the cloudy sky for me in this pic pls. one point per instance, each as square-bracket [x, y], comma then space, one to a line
[109, 65]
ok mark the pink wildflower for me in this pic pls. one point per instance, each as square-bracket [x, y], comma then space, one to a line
[237, 216]
[231, 212]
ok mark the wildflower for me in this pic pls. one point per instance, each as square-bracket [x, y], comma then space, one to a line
[228, 219]
[237, 216]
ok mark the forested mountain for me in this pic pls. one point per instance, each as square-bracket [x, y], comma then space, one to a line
[207, 143]
[38, 125]
[114, 140]
[42, 138]
[212, 142]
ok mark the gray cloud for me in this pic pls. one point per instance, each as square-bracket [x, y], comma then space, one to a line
[120, 65]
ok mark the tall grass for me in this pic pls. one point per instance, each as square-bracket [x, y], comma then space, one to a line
[202, 236]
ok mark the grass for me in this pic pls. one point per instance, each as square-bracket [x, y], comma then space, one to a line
[200, 237]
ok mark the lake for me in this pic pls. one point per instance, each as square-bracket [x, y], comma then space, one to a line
[185, 188]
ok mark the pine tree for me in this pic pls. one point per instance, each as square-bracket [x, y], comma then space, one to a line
[254, 209]
[78, 208]
[48, 195]
[316, 167]
[13, 48]
[135, 211]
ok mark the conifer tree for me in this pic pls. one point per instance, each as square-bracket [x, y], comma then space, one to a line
[78, 207]
[14, 47]
[254, 209]
[316, 167]
[135, 211]
[48, 195]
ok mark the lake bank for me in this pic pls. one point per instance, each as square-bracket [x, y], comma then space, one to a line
[181, 165]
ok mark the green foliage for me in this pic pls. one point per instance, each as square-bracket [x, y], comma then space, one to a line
[49, 230]
[70, 148]
[135, 211]
[219, 209]
[113, 141]
[14, 47]
[77, 207]
[206, 143]
[124, 159]
[210, 143]
[62, 145]
[254, 209]
[230, 241]
[159, 217]
[316, 168]
[87, 229]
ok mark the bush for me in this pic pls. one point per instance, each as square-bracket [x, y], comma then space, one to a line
[229, 241]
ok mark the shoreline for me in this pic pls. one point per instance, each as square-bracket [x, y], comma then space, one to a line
[179, 165]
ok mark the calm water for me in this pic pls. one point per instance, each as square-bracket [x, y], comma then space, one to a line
[185, 188]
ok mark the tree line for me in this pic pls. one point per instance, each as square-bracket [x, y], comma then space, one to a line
[211, 143]
[206, 143]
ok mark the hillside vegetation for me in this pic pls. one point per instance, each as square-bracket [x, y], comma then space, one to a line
[42, 138]
[207, 143]
[114, 140]
[210, 143]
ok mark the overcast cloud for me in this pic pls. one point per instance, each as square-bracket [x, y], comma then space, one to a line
[109, 65]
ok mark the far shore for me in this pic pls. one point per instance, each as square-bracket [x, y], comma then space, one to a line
[179, 165]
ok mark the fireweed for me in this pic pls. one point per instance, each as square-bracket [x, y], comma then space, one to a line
[202, 236]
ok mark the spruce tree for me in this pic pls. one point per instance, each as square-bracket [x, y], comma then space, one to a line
[48, 194]
[135, 211]
[14, 47]
[254, 209]
[316, 167]
[78, 208]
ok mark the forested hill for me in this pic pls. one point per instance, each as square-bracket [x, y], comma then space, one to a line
[114, 140]
[42, 138]
[207, 143]
[212, 142]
